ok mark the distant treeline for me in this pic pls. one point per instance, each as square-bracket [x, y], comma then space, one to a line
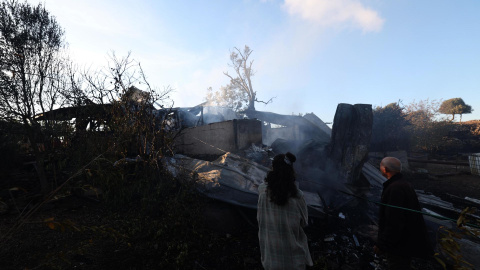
[419, 127]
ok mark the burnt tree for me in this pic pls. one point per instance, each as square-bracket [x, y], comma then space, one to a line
[351, 133]
[238, 94]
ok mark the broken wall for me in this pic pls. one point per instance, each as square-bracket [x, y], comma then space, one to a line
[294, 127]
[286, 133]
[218, 138]
[318, 122]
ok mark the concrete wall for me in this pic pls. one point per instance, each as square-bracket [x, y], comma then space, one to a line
[218, 138]
[248, 132]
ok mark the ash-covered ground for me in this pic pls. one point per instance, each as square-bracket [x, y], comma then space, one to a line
[125, 239]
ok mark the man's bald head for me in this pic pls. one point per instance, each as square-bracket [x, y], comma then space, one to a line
[392, 165]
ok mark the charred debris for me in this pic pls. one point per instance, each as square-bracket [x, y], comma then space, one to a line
[228, 155]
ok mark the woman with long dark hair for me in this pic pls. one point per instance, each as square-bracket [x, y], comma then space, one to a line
[282, 214]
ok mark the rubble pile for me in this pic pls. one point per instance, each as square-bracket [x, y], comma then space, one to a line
[228, 157]
[262, 155]
[342, 248]
[341, 242]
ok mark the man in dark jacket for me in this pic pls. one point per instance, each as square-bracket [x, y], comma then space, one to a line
[402, 234]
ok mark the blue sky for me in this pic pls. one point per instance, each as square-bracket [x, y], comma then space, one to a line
[309, 54]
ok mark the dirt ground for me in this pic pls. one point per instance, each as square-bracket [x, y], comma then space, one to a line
[447, 179]
[78, 233]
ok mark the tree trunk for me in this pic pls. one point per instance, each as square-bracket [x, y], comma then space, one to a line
[33, 136]
[250, 111]
[350, 141]
[251, 104]
[42, 176]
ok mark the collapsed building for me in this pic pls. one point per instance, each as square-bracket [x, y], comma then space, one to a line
[231, 158]
[228, 157]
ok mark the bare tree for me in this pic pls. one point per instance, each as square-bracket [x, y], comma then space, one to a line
[111, 83]
[239, 93]
[135, 101]
[31, 72]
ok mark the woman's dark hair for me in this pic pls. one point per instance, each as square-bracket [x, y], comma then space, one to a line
[281, 179]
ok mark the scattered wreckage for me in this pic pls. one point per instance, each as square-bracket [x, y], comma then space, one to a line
[228, 156]
[244, 159]
[332, 168]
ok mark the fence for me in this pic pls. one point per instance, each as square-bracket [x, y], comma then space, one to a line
[474, 160]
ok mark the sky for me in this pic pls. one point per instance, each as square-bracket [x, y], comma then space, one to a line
[310, 55]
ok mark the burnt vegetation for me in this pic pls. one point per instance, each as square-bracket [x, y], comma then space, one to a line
[81, 180]
[83, 185]
[419, 127]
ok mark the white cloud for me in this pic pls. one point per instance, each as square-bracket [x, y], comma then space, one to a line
[336, 12]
